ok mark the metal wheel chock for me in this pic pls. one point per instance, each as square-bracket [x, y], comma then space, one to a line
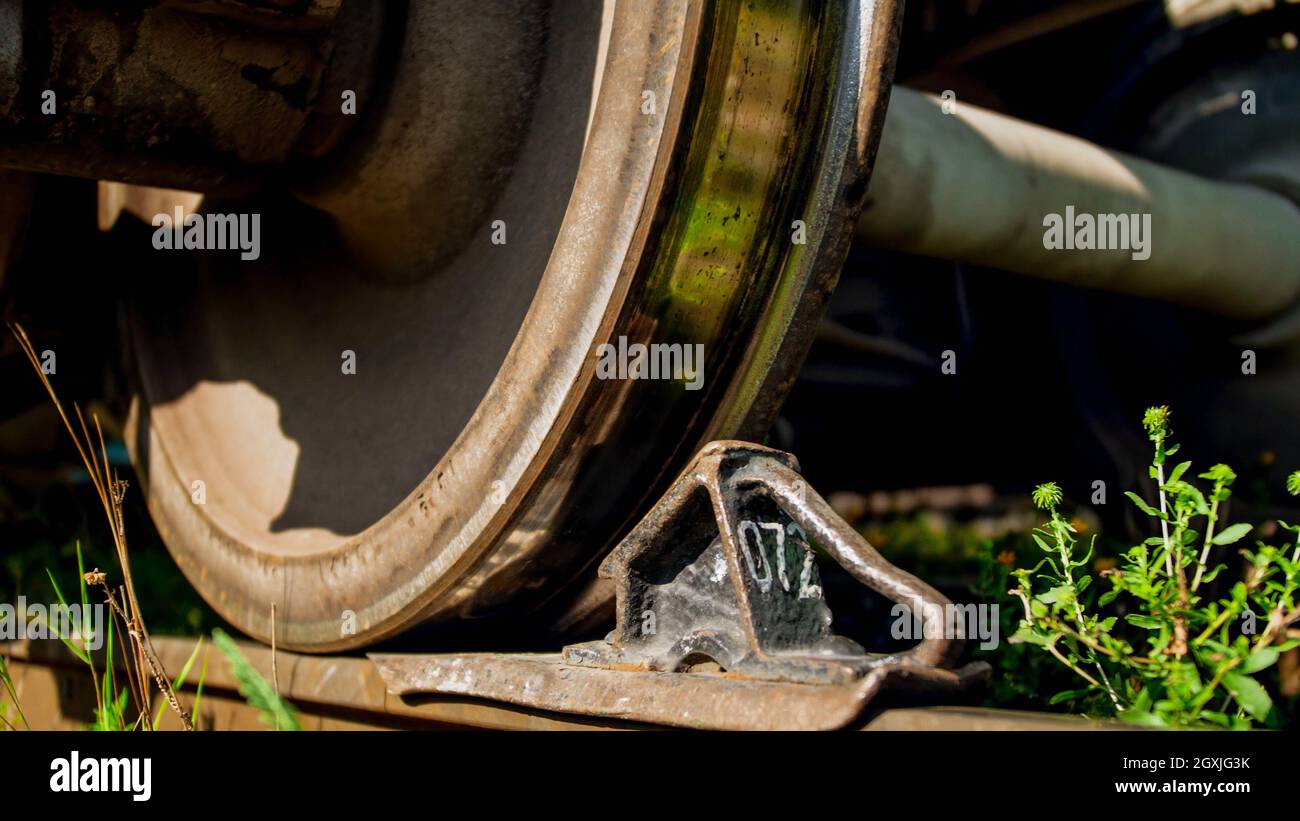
[721, 622]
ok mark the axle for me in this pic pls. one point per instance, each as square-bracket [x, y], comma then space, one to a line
[178, 93]
[977, 187]
[139, 92]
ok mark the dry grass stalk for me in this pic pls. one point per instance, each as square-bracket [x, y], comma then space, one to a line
[111, 491]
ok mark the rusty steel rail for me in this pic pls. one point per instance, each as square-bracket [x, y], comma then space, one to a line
[347, 693]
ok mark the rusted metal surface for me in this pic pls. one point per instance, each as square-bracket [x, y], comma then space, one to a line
[347, 693]
[11, 54]
[702, 701]
[329, 693]
[720, 618]
[722, 568]
[183, 94]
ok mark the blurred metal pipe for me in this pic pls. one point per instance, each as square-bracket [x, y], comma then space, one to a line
[978, 187]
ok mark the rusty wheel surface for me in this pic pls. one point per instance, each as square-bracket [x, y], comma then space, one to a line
[540, 179]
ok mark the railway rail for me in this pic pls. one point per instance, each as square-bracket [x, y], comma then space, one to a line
[346, 692]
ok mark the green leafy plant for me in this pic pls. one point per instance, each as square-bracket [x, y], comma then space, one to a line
[115, 695]
[1155, 649]
[111, 490]
[140, 662]
[12, 694]
[1023, 676]
[253, 686]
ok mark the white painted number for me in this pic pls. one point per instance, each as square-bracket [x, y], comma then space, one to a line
[807, 590]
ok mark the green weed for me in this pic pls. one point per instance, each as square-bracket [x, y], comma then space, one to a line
[1154, 649]
[117, 699]
[256, 690]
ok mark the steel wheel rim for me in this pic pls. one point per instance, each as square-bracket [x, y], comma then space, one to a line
[573, 457]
